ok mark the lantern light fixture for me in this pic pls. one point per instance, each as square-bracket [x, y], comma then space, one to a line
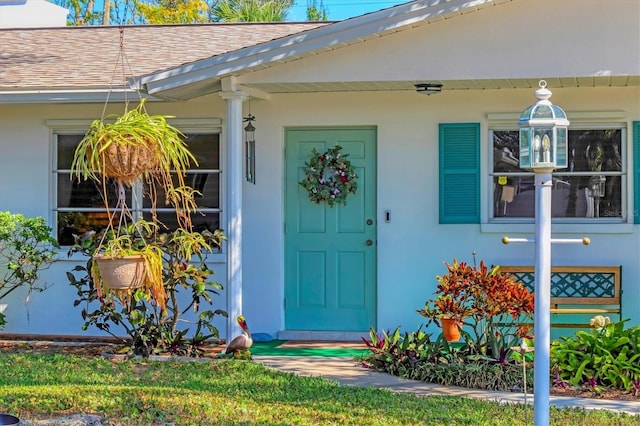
[543, 133]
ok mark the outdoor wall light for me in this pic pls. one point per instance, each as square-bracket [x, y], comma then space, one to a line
[543, 133]
[428, 88]
[250, 148]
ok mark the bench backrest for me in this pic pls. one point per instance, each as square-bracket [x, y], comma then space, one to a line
[578, 285]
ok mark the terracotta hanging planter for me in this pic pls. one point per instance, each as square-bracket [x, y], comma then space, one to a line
[122, 273]
[451, 329]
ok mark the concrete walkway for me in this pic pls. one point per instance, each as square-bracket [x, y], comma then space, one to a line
[348, 372]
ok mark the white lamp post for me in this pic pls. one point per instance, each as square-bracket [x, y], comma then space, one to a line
[543, 148]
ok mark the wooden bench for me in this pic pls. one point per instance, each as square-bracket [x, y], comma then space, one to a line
[577, 290]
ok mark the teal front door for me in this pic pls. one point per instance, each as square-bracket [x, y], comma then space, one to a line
[330, 252]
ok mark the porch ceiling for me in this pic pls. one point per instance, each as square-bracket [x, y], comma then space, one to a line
[202, 88]
[618, 81]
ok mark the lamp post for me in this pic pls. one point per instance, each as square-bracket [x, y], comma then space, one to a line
[543, 148]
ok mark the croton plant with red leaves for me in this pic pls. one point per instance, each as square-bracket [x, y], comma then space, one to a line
[494, 305]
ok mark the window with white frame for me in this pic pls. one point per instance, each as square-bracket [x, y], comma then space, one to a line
[591, 188]
[79, 207]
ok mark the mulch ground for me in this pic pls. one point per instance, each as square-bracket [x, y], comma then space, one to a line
[97, 349]
[80, 348]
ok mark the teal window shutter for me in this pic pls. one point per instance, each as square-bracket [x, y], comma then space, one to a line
[636, 171]
[459, 173]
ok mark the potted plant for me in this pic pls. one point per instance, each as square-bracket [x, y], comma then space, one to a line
[452, 305]
[134, 146]
[136, 142]
[137, 145]
[448, 313]
[482, 298]
[126, 261]
[150, 315]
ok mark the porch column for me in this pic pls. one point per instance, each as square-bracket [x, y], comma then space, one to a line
[233, 207]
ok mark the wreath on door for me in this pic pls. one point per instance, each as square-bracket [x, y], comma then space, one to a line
[329, 177]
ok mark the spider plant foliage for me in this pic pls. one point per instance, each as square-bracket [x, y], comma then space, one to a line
[138, 145]
[134, 241]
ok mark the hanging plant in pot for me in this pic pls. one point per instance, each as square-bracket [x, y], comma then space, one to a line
[138, 145]
[124, 263]
[136, 142]
[135, 146]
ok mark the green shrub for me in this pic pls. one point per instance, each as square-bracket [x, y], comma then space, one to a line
[607, 355]
[415, 356]
[393, 352]
[492, 305]
[480, 375]
[26, 248]
[150, 327]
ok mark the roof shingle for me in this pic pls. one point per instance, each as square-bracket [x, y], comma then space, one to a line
[88, 57]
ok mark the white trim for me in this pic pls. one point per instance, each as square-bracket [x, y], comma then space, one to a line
[582, 229]
[233, 206]
[71, 96]
[183, 123]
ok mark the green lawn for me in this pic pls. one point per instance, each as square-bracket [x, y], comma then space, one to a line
[234, 393]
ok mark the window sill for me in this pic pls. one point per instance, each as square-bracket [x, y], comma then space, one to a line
[581, 229]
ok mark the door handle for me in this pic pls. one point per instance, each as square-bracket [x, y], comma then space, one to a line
[369, 243]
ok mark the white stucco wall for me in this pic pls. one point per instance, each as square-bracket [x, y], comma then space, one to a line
[25, 187]
[514, 40]
[411, 248]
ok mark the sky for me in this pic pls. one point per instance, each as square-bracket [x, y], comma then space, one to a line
[341, 9]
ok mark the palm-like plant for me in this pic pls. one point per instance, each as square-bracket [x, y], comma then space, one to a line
[252, 10]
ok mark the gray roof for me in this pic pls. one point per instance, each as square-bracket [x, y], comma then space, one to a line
[180, 62]
[87, 57]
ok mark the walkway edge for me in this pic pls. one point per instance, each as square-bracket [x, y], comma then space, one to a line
[349, 372]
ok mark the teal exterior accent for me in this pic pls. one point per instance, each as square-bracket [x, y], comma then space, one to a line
[330, 268]
[459, 151]
[636, 172]
[574, 284]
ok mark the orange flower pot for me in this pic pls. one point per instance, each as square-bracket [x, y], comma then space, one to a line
[451, 329]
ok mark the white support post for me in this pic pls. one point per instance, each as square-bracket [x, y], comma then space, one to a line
[542, 293]
[543, 148]
[233, 207]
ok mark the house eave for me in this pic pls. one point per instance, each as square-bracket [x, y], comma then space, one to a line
[202, 77]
